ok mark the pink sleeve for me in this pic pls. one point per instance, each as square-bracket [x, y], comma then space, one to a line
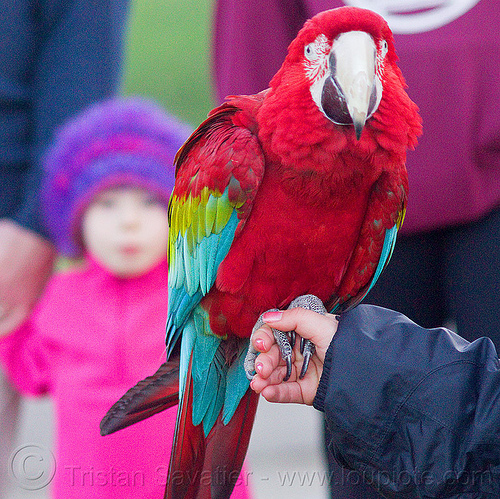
[23, 358]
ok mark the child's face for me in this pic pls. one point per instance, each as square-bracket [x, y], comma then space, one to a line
[126, 230]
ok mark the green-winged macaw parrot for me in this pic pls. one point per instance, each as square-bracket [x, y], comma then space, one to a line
[298, 190]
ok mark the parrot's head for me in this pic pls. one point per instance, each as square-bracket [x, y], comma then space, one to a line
[341, 56]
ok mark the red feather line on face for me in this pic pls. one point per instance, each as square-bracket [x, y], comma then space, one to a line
[333, 22]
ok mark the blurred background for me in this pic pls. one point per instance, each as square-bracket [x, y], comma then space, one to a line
[168, 59]
[168, 55]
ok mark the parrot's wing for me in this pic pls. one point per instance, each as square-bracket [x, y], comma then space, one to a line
[219, 170]
[383, 219]
[218, 173]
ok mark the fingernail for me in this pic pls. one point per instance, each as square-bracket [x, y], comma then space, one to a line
[272, 316]
[258, 367]
[259, 343]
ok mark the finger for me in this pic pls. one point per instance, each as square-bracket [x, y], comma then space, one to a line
[267, 363]
[284, 393]
[276, 378]
[318, 328]
[306, 323]
[263, 339]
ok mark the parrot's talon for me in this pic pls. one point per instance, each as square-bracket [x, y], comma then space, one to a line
[288, 361]
[307, 349]
[249, 363]
[308, 302]
[286, 341]
[286, 350]
[305, 365]
[252, 354]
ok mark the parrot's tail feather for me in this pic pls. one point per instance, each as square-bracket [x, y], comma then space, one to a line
[188, 449]
[227, 447]
[209, 468]
[150, 396]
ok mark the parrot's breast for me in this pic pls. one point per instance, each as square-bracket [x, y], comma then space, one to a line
[290, 246]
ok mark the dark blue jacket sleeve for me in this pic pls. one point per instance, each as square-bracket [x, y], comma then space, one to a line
[56, 57]
[415, 411]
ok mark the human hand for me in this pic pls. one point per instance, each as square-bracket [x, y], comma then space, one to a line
[26, 261]
[270, 367]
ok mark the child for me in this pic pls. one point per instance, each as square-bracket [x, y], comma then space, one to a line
[99, 329]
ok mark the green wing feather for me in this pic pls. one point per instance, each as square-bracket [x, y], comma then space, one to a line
[219, 171]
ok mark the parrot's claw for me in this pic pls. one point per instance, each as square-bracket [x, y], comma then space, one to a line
[249, 364]
[307, 349]
[308, 302]
[286, 348]
[286, 341]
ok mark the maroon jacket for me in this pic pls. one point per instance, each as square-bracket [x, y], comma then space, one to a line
[451, 64]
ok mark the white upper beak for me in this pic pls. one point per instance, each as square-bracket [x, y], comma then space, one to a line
[352, 91]
[355, 56]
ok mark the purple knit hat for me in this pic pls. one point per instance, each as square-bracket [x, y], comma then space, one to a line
[124, 141]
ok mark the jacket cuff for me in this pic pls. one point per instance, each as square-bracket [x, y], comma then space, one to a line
[319, 399]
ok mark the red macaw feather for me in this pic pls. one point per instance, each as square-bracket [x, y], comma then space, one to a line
[188, 450]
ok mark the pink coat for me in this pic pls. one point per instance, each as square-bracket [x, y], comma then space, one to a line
[93, 336]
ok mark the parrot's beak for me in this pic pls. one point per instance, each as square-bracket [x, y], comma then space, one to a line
[352, 91]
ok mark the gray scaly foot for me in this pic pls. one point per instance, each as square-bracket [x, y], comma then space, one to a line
[308, 302]
[286, 341]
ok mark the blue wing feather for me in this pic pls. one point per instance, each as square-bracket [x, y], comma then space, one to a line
[236, 378]
[206, 257]
[385, 256]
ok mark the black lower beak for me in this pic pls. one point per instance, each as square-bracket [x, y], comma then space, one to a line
[334, 103]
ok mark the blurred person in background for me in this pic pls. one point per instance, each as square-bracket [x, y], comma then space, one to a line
[56, 57]
[446, 265]
[94, 328]
[97, 329]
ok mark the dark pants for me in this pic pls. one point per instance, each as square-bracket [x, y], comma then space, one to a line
[435, 277]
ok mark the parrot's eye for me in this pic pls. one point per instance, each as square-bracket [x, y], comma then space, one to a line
[384, 46]
[310, 51]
